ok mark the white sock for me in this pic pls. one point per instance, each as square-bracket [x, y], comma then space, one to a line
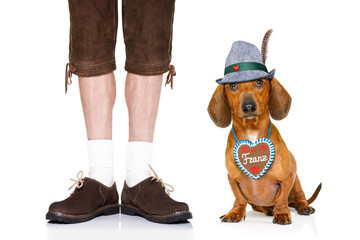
[101, 161]
[138, 157]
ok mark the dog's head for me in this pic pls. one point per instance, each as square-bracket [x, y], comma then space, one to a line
[248, 100]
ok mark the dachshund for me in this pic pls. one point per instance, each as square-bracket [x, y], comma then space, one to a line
[249, 106]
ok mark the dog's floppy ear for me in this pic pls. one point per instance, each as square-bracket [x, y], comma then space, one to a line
[280, 101]
[219, 109]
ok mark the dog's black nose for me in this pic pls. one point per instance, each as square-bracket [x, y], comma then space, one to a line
[249, 106]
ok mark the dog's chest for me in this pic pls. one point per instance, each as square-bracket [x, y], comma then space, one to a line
[261, 193]
[252, 137]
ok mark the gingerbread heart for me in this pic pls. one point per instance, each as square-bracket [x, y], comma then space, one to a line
[254, 159]
[236, 68]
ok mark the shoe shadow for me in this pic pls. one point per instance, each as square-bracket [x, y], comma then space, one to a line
[119, 227]
[134, 227]
[98, 228]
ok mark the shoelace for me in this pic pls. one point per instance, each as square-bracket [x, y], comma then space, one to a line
[79, 182]
[69, 69]
[170, 76]
[165, 185]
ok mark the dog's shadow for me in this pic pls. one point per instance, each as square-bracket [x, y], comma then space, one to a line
[255, 219]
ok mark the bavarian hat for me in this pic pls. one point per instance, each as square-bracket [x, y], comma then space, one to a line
[244, 63]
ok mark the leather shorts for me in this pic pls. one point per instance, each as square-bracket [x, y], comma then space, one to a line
[147, 30]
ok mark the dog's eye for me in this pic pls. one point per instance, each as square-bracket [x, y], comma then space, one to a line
[233, 86]
[259, 83]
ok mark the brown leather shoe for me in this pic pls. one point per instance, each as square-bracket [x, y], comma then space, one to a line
[90, 199]
[150, 200]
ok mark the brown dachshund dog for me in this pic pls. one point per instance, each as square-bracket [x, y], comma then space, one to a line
[280, 187]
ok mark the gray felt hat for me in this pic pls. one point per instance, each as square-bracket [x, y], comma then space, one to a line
[244, 63]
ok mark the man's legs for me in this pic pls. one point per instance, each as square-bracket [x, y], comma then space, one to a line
[93, 32]
[142, 94]
[95, 195]
[142, 194]
[147, 29]
[98, 98]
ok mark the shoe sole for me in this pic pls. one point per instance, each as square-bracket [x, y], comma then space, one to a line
[177, 217]
[57, 217]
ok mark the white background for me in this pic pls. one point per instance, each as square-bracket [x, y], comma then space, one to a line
[315, 50]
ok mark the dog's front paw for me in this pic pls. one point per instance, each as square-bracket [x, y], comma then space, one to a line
[282, 219]
[233, 216]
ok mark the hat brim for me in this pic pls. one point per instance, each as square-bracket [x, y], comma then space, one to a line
[245, 76]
